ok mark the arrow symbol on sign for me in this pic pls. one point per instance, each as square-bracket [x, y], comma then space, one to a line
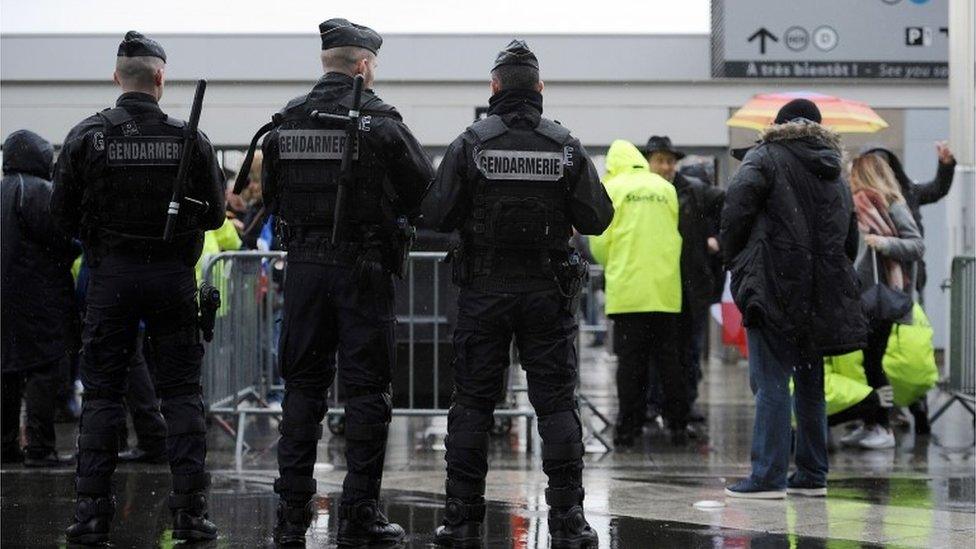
[762, 34]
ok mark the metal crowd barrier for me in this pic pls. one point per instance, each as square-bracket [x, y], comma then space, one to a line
[961, 381]
[240, 365]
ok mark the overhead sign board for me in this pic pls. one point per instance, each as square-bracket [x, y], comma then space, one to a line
[886, 39]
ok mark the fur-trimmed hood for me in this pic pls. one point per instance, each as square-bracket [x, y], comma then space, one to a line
[817, 147]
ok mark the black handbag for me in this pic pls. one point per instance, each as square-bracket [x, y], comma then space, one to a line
[881, 302]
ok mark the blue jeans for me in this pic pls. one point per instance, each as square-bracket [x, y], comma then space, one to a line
[769, 377]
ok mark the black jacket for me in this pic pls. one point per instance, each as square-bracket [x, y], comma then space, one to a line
[77, 170]
[408, 167]
[449, 203]
[789, 236]
[700, 210]
[919, 194]
[37, 294]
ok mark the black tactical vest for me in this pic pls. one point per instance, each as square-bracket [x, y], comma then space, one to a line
[135, 164]
[520, 198]
[309, 162]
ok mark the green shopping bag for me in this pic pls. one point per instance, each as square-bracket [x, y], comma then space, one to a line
[909, 360]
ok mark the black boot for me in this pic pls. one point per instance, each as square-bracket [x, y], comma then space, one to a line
[92, 520]
[462, 524]
[188, 502]
[363, 523]
[296, 509]
[190, 519]
[294, 518]
[567, 524]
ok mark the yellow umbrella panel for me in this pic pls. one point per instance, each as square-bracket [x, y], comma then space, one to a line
[840, 115]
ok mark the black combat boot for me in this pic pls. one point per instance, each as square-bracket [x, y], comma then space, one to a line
[188, 502]
[92, 520]
[462, 524]
[296, 509]
[363, 523]
[567, 524]
[294, 518]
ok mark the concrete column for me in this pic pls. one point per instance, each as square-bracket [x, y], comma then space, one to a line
[961, 206]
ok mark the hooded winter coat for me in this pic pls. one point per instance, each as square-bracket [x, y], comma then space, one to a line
[789, 236]
[641, 250]
[39, 321]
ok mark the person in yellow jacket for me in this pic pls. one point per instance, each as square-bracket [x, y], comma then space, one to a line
[218, 240]
[641, 255]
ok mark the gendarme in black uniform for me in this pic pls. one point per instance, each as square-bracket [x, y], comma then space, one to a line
[515, 185]
[112, 186]
[339, 297]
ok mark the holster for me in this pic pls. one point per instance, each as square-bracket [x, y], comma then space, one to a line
[460, 266]
[571, 273]
[209, 303]
[403, 240]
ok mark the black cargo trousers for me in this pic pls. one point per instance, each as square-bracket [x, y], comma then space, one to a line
[123, 290]
[543, 324]
[325, 311]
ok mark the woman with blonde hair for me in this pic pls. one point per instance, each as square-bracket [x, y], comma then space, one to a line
[890, 244]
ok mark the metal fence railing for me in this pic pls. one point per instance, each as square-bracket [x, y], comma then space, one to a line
[240, 365]
[961, 380]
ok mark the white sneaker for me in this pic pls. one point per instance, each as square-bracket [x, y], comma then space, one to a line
[854, 437]
[878, 438]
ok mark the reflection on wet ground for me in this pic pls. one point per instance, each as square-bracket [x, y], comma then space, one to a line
[920, 494]
[245, 514]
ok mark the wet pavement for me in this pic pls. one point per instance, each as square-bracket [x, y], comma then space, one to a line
[922, 494]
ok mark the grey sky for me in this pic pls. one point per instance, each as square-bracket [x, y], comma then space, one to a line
[391, 16]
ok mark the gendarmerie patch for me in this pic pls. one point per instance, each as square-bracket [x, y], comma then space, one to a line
[520, 165]
[143, 151]
[312, 144]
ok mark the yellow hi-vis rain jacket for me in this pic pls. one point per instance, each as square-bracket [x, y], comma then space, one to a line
[641, 250]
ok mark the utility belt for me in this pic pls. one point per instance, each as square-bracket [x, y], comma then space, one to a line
[389, 253]
[100, 243]
[487, 268]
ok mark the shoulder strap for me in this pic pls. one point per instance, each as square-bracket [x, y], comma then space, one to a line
[116, 116]
[552, 130]
[489, 128]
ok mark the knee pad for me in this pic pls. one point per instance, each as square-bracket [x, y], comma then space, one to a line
[369, 409]
[562, 447]
[562, 426]
[470, 440]
[184, 415]
[302, 406]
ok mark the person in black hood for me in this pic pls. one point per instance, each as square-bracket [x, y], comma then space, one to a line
[919, 194]
[38, 323]
[789, 236]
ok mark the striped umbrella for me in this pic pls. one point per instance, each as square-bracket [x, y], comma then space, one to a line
[840, 115]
